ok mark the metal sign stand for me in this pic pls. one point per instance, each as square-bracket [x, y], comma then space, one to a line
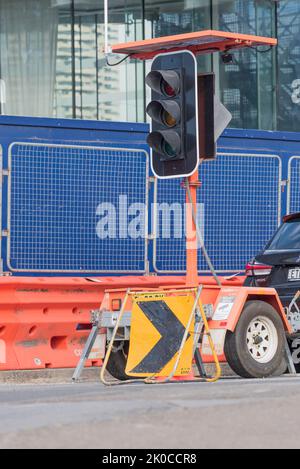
[201, 327]
[87, 350]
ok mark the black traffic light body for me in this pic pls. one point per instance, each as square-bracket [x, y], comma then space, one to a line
[174, 137]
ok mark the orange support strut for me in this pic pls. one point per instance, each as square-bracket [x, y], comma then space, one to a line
[191, 235]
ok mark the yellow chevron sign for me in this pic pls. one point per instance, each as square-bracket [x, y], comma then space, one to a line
[158, 323]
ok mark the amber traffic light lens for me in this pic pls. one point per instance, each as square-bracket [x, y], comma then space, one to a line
[168, 119]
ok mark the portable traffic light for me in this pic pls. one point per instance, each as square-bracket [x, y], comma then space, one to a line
[174, 137]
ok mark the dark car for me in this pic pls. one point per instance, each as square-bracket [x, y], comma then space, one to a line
[278, 265]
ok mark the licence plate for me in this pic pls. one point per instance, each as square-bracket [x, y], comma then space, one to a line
[294, 275]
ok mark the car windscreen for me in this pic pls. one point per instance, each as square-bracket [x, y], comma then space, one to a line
[287, 237]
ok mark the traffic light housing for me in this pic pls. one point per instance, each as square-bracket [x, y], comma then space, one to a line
[174, 136]
[208, 108]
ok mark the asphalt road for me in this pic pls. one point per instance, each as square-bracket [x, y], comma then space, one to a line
[229, 414]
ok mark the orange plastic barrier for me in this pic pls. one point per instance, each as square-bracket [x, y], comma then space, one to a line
[39, 317]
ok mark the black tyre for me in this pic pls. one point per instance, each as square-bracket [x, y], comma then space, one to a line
[283, 368]
[256, 349]
[117, 363]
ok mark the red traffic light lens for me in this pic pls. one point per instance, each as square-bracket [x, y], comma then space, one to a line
[168, 90]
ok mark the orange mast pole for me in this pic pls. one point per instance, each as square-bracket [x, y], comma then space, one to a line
[191, 234]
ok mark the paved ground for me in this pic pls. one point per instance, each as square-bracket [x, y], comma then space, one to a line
[229, 414]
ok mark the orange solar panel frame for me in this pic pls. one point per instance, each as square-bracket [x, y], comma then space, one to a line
[201, 42]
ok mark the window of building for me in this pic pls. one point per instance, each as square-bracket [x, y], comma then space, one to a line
[52, 62]
[28, 53]
[288, 86]
[247, 85]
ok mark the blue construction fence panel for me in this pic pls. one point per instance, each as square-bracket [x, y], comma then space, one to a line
[238, 207]
[61, 178]
[293, 197]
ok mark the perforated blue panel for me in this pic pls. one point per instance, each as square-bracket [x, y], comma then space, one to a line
[240, 205]
[55, 195]
[294, 188]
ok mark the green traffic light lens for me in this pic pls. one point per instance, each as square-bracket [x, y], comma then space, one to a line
[168, 149]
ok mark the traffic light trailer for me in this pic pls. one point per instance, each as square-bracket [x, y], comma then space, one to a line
[157, 334]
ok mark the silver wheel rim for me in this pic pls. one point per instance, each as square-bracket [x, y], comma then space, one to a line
[262, 339]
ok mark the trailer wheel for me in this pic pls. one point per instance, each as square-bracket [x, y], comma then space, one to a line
[117, 362]
[256, 348]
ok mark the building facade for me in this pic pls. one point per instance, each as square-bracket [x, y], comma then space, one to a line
[52, 62]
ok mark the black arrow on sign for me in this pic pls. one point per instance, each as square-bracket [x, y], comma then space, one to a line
[171, 331]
